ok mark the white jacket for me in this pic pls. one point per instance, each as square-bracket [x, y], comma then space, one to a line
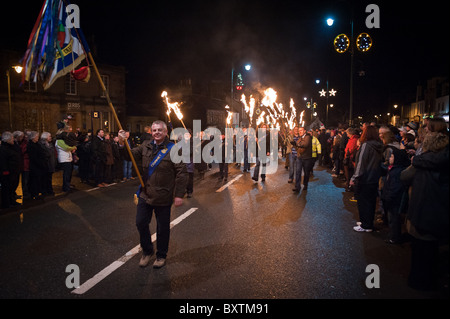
[64, 151]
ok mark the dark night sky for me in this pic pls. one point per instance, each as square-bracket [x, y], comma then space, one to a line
[287, 42]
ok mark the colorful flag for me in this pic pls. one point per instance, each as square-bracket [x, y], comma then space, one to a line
[54, 49]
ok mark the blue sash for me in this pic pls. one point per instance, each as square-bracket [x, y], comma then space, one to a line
[155, 162]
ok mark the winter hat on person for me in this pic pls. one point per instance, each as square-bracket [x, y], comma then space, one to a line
[412, 125]
[60, 125]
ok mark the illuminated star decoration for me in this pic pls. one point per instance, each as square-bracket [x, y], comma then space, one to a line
[323, 92]
[333, 92]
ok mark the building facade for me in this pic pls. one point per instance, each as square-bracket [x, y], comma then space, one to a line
[431, 100]
[29, 107]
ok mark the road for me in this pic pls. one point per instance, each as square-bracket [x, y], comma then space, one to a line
[234, 240]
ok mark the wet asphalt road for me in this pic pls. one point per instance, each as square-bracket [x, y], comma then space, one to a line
[249, 241]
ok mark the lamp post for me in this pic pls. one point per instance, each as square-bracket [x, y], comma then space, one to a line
[18, 69]
[342, 43]
[327, 94]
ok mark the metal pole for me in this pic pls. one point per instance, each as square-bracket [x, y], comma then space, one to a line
[352, 52]
[9, 99]
[232, 87]
[328, 94]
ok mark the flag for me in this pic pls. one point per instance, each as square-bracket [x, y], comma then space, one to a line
[54, 49]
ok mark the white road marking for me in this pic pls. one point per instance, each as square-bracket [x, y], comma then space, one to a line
[229, 183]
[93, 189]
[122, 260]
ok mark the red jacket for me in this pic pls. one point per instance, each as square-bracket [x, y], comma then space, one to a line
[351, 148]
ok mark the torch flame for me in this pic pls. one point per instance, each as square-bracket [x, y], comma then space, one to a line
[172, 106]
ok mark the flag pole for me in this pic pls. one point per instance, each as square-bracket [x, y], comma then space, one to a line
[115, 116]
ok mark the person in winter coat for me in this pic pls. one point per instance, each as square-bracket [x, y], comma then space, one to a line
[428, 210]
[65, 159]
[165, 186]
[109, 159]
[50, 158]
[349, 155]
[9, 170]
[38, 165]
[316, 150]
[366, 177]
[263, 138]
[98, 157]
[304, 153]
[84, 157]
[393, 191]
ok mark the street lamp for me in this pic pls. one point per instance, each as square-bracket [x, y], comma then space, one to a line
[18, 69]
[330, 22]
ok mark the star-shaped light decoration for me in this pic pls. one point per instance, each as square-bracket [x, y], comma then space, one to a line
[333, 92]
[323, 92]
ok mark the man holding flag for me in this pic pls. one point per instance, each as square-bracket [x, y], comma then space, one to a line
[164, 184]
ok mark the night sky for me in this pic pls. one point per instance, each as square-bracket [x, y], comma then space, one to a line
[287, 42]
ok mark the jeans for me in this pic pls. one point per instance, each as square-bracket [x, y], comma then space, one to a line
[143, 219]
[293, 164]
[305, 165]
[127, 166]
[67, 168]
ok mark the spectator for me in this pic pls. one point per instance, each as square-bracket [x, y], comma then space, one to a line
[127, 163]
[26, 165]
[428, 217]
[117, 168]
[65, 159]
[316, 150]
[393, 191]
[38, 166]
[9, 169]
[50, 159]
[349, 155]
[18, 138]
[109, 162]
[84, 157]
[324, 158]
[366, 177]
[98, 157]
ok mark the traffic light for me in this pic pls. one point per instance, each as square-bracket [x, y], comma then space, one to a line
[239, 87]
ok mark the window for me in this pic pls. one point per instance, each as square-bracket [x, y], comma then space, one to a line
[30, 87]
[105, 79]
[70, 85]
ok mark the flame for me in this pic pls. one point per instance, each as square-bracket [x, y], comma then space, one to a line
[172, 106]
[252, 108]
[270, 97]
[229, 117]
[260, 119]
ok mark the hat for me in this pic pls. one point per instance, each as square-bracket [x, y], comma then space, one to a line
[412, 125]
[60, 125]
